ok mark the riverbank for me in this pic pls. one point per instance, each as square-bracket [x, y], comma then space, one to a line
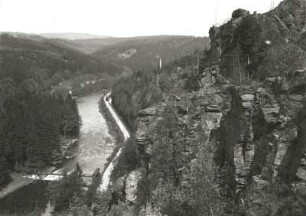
[114, 123]
[112, 126]
[113, 129]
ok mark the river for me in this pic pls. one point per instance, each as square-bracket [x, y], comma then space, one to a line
[94, 146]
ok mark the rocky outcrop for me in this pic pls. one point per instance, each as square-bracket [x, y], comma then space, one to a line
[251, 128]
[253, 120]
[146, 123]
[126, 186]
[239, 44]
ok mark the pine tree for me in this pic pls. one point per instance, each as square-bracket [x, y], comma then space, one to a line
[92, 190]
[78, 207]
[4, 172]
[61, 193]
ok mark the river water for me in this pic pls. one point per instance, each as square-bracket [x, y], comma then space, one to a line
[94, 147]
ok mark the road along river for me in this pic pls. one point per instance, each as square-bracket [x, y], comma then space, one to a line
[94, 147]
[106, 175]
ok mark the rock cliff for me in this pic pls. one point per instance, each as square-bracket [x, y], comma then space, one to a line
[235, 145]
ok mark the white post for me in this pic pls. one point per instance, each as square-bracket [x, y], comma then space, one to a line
[272, 5]
[160, 63]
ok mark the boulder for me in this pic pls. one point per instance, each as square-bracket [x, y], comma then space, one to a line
[282, 149]
[259, 183]
[247, 97]
[141, 130]
[301, 173]
[211, 121]
[285, 85]
[147, 112]
[296, 97]
[271, 110]
[249, 154]
[299, 187]
[213, 108]
[131, 185]
[240, 169]
[271, 113]
[271, 79]
[149, 149]
[247, 104]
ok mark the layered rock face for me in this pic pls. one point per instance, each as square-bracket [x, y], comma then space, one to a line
[252, 126]
[268, 120]
[257, 136]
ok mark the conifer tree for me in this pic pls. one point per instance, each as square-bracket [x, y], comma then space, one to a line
[4, 173]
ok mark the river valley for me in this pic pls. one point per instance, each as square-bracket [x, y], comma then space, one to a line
[94, 146]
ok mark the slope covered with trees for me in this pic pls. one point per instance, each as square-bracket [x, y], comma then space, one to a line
[26, 57]
[33, 119]
[143, 53]
[90, 45]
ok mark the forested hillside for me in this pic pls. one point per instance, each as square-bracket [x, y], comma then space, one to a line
[34, 121]
[143, 53]
[71, 36]
[24, 57]
[89, 46]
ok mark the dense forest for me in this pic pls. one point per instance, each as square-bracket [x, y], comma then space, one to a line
[34, 118]
[31, 128]
[47, 62]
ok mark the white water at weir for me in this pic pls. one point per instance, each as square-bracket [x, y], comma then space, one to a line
[53, 177]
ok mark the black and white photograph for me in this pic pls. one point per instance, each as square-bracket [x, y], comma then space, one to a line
[152, 108]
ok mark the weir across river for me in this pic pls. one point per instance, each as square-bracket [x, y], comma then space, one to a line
[43, 176]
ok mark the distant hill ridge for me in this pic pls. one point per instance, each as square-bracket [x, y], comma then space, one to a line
[137, 53]
[146, 51]
[91, 45]
[72, 36]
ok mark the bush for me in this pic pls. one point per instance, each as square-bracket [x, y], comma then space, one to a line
[5, 177]
[239, 13]
[247, 35]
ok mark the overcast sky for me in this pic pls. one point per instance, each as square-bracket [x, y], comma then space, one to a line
[121, 17]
